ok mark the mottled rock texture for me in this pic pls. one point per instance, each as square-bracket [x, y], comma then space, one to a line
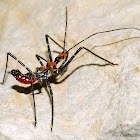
[96, 101]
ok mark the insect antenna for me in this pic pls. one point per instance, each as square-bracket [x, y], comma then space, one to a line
[65, 30]
[101, 33]
[130, 38]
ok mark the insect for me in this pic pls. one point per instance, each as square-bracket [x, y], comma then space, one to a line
[51, 66]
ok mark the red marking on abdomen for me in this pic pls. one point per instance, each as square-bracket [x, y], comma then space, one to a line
[24, 80]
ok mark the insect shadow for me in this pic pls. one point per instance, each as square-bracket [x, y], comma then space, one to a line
[53, 78]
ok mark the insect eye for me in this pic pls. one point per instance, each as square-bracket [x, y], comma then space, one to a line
[57, 60]
[13, 72]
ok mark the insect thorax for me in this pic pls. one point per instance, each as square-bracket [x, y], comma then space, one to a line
[41, 75]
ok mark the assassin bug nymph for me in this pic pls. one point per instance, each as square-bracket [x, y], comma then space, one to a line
[41, 74]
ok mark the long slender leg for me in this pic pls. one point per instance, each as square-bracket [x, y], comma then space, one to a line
[47, 40]
[39, 59]
[64, 67]
[47, 36]
[48, 45]
[49, 50]
[51, 97]
[54, 41]
[9, 54]
[32, 90]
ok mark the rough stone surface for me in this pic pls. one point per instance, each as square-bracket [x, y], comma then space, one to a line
[94, 102]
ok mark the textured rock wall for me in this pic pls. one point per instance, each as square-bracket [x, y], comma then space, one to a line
[97, 101]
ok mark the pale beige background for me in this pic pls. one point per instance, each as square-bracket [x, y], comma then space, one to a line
[95, 102]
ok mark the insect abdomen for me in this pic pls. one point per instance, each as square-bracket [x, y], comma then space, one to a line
[22, 78]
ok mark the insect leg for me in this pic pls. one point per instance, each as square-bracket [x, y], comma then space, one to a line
[32, 90]
[47, 36]
[49, 50]
[39, 59]
[51, 97]
[9, 54]
[68, 62]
